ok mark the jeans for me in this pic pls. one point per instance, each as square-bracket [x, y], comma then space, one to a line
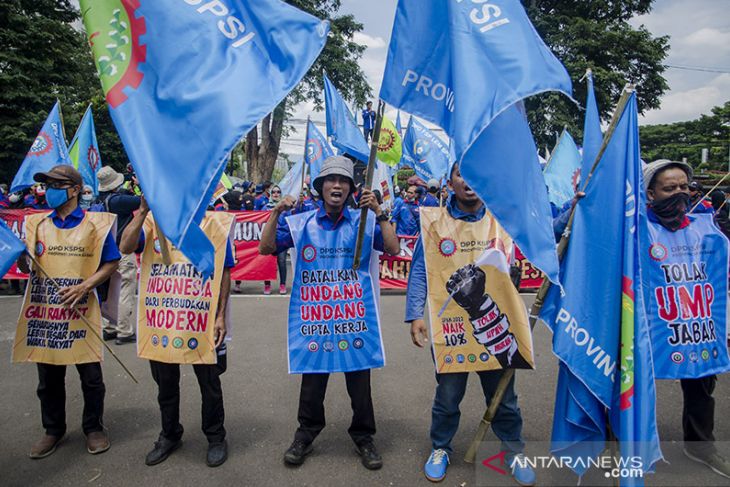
[445, 413]
[126, 324]
[167, 377]
[281, 264]
[52, 393]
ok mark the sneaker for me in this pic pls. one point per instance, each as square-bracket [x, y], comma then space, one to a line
[297, 452]
[371, 459]
[267, 289]
[717, 463]
[521, 472]
[109, 335]
[436, 465]
[122, 340]
[217, 453]
[45, 446]
[97, 442]
[163, 448]
[282, 288]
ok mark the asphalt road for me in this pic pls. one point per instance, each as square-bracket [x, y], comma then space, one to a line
[261, 404]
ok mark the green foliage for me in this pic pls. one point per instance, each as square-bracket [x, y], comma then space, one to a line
[687, 139]
[595, 34]
[44, 58]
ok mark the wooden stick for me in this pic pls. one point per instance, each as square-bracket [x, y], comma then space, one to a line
[86, 321]
[540, 298]
[164, 247]
[710, 191]
[368, 182]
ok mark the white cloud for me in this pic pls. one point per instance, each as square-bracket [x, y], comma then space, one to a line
[370, 41]
[690, 104]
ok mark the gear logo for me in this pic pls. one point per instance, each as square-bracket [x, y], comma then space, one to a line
[387, 139]
[115, 31]
[677, 357]
[40, 248]
[658, 252]
[41, 145]
[93, 157]
[309, 253]
[447, 247]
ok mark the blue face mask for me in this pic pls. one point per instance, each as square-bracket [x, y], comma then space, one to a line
[56, 197]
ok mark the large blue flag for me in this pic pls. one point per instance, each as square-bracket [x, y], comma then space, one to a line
[562, 173]
[342, 128]
[49, 149]
[465, 67]
[589, 336]
[84, 151]
[592, 136]
[317, 150]
[10, 248]
[398, 124]
[185, 82]
[424, 152]
[291, 183]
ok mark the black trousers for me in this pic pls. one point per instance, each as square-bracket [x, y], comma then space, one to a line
[311, 406]
[52, 393]
[167, 377]
[698, 413]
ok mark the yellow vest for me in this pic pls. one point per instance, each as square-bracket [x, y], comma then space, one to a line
[460, 345]
[48, 332]
[177, 309]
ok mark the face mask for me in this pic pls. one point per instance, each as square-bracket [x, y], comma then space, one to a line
[87, 197]
[56, 197]
[672, 210]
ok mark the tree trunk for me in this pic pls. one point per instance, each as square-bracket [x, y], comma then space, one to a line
[261, 154]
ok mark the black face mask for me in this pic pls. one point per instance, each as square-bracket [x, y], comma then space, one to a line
[672, 210]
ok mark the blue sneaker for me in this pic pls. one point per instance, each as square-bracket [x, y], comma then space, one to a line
[435, 468]
[521, 472]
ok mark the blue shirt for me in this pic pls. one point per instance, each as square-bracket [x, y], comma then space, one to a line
[406, 218]
[429, 200]
[368, 119]
[109, 252]
[260, 202]
[285, 241]
[417, 286]
[228, 263]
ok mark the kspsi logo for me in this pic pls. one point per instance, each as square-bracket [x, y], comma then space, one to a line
[421, 149]
[447, 247]
[40, 248]
[309, 253]
[93, 156]
[314, 149]
[41, 145]
[658, 252]
[115, 32]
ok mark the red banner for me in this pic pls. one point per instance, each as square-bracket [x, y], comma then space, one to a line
[394, 270]
[16, 221]
[250, 265]
[532, 277]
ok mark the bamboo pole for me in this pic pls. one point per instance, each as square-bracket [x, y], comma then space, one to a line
[368, 183]
[540, 298]
[86, 321]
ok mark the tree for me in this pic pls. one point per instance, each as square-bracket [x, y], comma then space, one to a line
[45, 58]
[339, 58]
[687, 139]
[595, 35]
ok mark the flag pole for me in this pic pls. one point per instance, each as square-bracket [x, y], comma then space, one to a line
[305, 164]
[368, 183]
[710, 191]
[85, 320]
[164, 247]
[540, 298]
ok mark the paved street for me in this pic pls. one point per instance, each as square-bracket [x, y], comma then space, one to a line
[261, 403]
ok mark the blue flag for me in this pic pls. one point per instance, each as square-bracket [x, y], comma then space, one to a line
[342, 128]
[84, 151]
[592, 136]
[562, 173]
[49, 149]
[291, 183]
[10, 248]
[317, 150]
[398, 124]
[489, 58]
[589, 321]
[185, 82]
[424, 152]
